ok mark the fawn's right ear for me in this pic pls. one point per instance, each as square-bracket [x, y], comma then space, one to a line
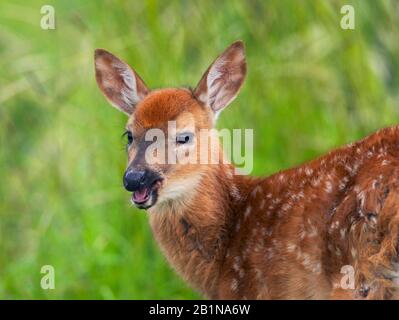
[120, 84]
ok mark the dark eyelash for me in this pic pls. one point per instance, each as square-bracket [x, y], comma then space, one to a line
[129, 137]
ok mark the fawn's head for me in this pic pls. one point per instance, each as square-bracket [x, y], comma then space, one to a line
[165, 124]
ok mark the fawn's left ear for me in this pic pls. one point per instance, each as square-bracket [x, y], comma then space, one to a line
[222, 81]
[120, 84]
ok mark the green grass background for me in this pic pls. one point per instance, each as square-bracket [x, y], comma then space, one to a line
[311, 87]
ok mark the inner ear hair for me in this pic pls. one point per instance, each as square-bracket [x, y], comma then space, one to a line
[119, 83]
[223, 79]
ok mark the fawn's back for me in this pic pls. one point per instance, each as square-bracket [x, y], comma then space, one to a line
[297, 230]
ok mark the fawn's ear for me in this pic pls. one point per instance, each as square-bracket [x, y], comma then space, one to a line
[222, 81]
[120, 84]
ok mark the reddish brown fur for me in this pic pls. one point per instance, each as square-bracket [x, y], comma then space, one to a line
[286, 236]
[151, 113]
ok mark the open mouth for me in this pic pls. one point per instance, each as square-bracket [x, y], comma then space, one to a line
[145, 196]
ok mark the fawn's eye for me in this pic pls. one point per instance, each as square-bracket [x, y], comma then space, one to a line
[129, 136]
[186, 137]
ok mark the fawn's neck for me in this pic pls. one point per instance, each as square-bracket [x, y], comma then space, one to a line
[194, 233]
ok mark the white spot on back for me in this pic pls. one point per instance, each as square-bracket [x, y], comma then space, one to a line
[247, 212]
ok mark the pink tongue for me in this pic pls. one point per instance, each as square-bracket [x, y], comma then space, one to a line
[140, 195]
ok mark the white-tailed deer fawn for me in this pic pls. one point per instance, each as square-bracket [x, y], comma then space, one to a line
[287, 236]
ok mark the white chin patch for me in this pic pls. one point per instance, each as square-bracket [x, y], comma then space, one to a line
[179, 188]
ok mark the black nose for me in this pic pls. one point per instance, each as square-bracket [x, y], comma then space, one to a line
[133, 179]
